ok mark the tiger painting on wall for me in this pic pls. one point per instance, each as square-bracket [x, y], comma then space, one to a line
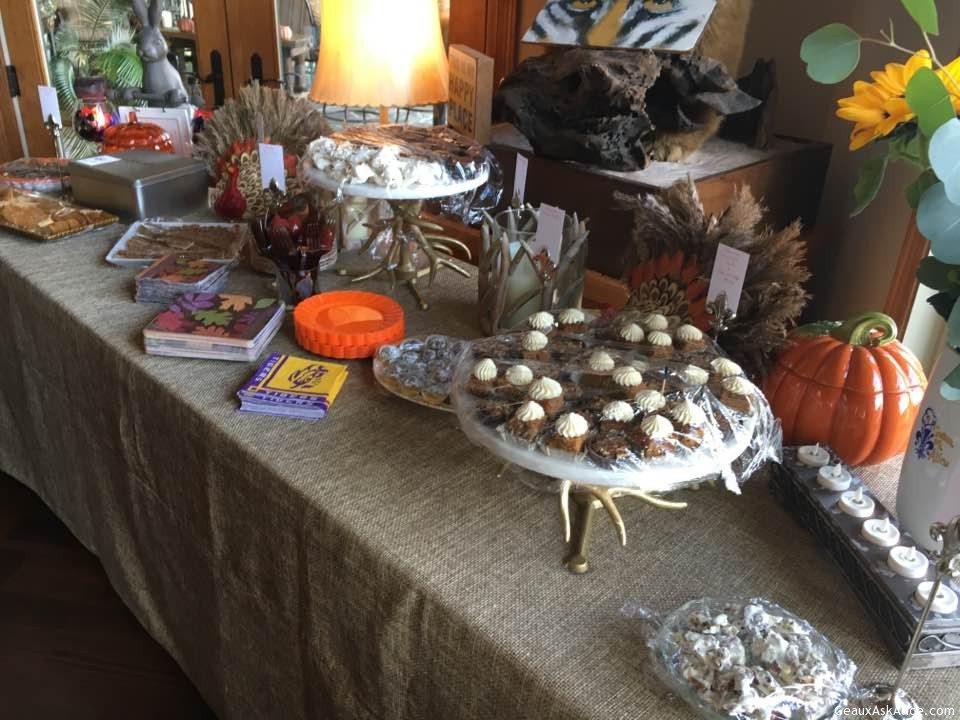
[671, 25]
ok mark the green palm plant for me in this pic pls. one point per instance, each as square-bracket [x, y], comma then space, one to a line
[96, 39]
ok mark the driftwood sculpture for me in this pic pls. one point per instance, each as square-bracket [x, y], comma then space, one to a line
[609, 107]
[557, 286]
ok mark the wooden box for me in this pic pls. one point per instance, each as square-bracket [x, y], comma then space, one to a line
[789, 176]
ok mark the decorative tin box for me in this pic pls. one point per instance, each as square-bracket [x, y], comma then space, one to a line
[140, 183]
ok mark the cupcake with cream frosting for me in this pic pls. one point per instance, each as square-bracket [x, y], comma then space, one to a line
[533, 346]
[569, 433]
[527, 421]
[600, 366]
[541, 321]
[655, 321]
[689, 338]
[483, 378]
[549, 393]
[648, 402]
[572, 320]
[627, 381]
[736, 392]
[722, 368]
[518, 379]
[631, 333]
[616, 416]
[659, 344]
[690, 421]
[654, 436]
[696, 376]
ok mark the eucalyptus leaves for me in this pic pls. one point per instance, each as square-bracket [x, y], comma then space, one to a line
[913, 108]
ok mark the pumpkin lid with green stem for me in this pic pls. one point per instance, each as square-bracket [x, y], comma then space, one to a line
[861, 354]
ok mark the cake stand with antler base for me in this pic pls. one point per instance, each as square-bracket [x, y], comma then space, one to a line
[414, 247]
[638, 455]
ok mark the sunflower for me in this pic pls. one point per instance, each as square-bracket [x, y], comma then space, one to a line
[878, 108]
[950, 75]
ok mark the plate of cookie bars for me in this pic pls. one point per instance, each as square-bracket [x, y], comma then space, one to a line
[47, 218]
[148, 240]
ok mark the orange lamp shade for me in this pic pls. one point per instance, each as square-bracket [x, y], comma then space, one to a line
[380, 53]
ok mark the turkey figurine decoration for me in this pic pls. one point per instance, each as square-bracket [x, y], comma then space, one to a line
[851, 385]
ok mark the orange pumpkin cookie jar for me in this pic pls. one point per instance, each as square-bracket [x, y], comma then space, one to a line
[850, 385]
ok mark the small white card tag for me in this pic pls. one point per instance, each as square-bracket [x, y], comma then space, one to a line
[729, 273]
[98, 160]
[520, 178]
[49, 104]
[271, 166]
[550, 232]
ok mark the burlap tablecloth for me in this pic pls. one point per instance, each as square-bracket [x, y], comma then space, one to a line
[370, 565]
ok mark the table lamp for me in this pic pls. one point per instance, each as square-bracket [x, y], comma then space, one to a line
[382, 53]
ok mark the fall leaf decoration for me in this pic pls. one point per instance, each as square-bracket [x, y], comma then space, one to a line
[773, 293]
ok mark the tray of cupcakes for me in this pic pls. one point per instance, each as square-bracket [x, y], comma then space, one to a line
[634, 401]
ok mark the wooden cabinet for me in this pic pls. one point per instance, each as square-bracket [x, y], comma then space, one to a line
[235, 33]
[22, 38]
[490, 26]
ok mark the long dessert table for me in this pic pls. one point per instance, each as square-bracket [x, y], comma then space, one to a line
[370, 565]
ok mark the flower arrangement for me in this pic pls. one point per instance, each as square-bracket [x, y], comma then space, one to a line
[911, 109]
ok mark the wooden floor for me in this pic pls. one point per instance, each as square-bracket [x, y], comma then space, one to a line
[69, 648]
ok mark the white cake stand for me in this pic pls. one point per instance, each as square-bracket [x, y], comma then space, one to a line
[407, 229]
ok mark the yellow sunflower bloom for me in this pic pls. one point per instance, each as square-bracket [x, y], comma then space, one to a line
[950, 76]
[878, 108]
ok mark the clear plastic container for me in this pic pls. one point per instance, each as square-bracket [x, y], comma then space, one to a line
[747, 660]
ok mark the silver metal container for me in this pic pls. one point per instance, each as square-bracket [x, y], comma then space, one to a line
[140, 183]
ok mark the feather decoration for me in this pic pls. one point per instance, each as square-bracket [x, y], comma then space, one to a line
[260, 113]
[773, 293]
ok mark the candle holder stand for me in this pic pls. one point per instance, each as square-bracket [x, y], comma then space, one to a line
[892, 699]
[917, 637]
[515, 281]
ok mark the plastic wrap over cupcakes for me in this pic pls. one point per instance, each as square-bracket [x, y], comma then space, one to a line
[420, 369]
[677, 422]
[746, 660]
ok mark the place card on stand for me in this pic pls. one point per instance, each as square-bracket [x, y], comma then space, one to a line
[49, 104]
[520, 179]
[728, 276]
[549, 236]
[272, 168]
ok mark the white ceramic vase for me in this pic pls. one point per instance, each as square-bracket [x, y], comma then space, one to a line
[929, 488]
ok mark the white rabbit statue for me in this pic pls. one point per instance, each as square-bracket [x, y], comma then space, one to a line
[162, 84]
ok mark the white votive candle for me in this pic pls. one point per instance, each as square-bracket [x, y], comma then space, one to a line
[944, 603]
[908, 562]
[813, 455]
[880, 532]
[834, 477]
[856, 504]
